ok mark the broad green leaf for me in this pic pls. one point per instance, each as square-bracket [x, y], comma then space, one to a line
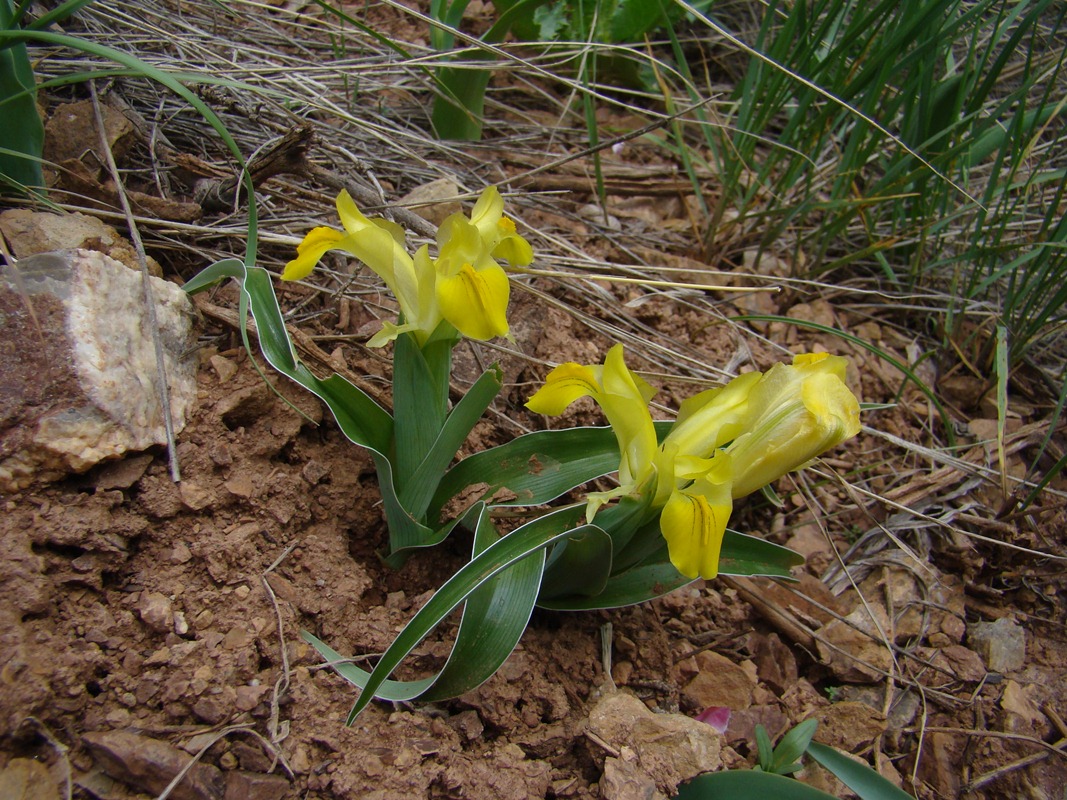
[420, 401]
[744, 784]
[358, 416]
[494, 618]
[637, 585]
[792, 746]
[459, 108]
[537, 467]
[527, 540]
[420, 487]
[747, 555]
[860, 778]
[578, 566]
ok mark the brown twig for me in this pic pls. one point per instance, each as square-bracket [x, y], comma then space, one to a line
[286, 155]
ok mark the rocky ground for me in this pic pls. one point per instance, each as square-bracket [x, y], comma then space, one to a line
[146, 622]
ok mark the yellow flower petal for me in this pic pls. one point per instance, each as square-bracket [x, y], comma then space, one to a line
[515, 249]
[694, 524]
[487, 211]
[475, 301]
[711, 419]
[388, 333]
[310, 251]
[800, 411]
[565, 384]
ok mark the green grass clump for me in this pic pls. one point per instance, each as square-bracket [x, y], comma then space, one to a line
[966, 191]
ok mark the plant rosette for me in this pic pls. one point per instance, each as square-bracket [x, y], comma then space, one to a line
[661, 528]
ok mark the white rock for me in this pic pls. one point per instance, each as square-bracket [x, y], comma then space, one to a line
[78, 375]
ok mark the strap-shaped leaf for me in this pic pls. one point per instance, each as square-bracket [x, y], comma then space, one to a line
[645, 582]
[655, 575]
[420, 487]
[360, 418]
[860, 778]
[746, 555]
[747, 784]
[420, 401]
[501, 611]
[578, 566]
[537, 467]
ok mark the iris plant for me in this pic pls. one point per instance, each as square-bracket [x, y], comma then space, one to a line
[725, 444]
[464, 286]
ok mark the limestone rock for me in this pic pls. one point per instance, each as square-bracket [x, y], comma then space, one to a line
[434, 201]
[656, 751]
[33, 232]
[77, 368]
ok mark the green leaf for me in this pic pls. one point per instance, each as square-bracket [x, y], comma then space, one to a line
[746, 555]
[764, 749]
[420, 400]
[501, 620]
[20, 163]
[636, 585]
[421, 486]
[860, 778]
[792, 746]
[578, 566]
[358, 416]
[537, 467]
[459, 108]
[743, 784]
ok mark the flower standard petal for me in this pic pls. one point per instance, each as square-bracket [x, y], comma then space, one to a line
[801, 411]
[487, 211]
[497, 231]
[625, 401]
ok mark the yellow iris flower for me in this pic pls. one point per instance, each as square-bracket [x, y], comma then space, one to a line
[464, 285]
[726, 443]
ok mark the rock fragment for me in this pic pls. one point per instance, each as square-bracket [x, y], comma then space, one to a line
[655, 751]
[150, 765]
[78, 367]
[1002, 644]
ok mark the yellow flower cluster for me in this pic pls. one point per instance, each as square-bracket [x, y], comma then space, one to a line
[464, 285]
[725, 444]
